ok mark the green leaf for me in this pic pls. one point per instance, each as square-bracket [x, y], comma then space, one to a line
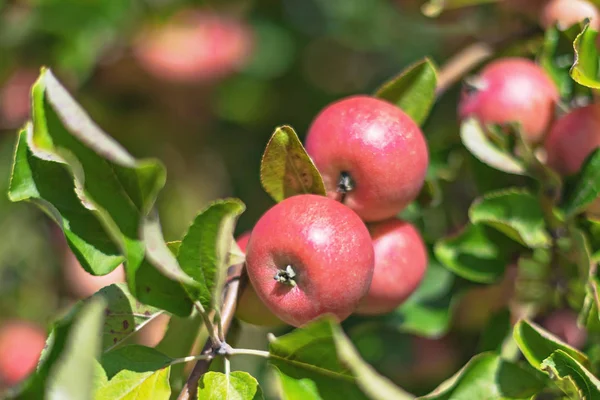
[72, 374]
[204, 250]
[556, 57]
[133, 372]
[434, 8]
[319, 362]
[97, 192]
[586, 188]
[67, 362]
[488, 376]
[160, 254]
[514, 212]
[537, 344]
[107, 179]
[159, 279]
[589, 315]
[124, 315]
[476, 141]
[585, 68]
[572, 377]
[286, 169]
[154, 288]
[428, 311]
[49, 185]
[497, 332]
[474, 254]
[413, 90]
[239, 386]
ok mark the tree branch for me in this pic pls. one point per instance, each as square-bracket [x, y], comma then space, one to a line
[236, 281]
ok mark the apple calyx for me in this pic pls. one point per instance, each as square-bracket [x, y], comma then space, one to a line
[345, 184]
[286, 276]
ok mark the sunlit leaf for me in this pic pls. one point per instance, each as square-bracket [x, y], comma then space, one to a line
[286, 169]
[413, 90]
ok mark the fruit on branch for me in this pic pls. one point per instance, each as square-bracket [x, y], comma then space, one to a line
[566, 13]
[310, 255]
[511, 90]
[21, 344]
[573, 138]
[250, 307]
[195, 46]
[372, 156]
[400, 264]
[563, 323]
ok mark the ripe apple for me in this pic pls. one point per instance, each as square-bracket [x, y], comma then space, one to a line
[563, 323]
[21, 344]
[573, 138]
[310, 255]
[511, 90]
[566, 13]
[372, 156]
[250, 308]
[195, 46]
[400, 264]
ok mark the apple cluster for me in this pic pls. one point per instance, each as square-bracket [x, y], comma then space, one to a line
[345, 252]
[515, 90]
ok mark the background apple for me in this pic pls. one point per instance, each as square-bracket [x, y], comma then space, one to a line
[21, 344]
[511, 90]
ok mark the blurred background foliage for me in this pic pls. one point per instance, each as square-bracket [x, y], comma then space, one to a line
[201, 85]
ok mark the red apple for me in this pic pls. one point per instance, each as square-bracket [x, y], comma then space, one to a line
[21, 344]
[310, 255]
[512, 90]
[195, 46]
[372, 155]
[566, 13]
[573, 138]
[400, 264]
[250, 308]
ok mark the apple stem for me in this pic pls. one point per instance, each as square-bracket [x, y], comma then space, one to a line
[473, 84]
[345, 185]
[286, 276]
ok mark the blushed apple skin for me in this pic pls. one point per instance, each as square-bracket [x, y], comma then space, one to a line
[566, 13]
[250, 308]
[400, 265]
[330, 250]
[512, 90]
[21, 344]
[573, 138]
[378, 145]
